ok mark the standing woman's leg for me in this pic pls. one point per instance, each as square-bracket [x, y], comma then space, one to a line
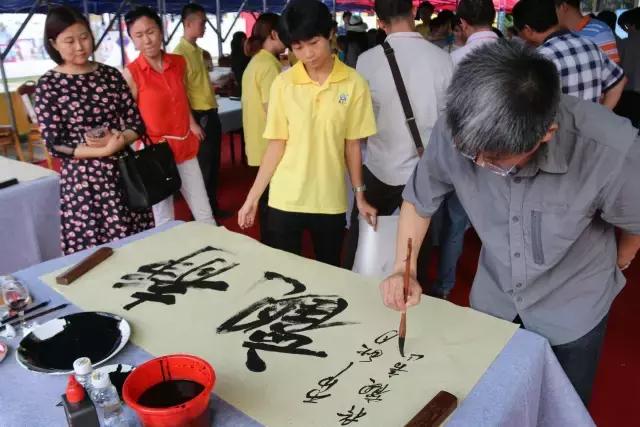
[285, 230]
[194, 191]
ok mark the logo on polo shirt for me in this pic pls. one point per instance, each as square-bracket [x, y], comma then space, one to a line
[343, 98]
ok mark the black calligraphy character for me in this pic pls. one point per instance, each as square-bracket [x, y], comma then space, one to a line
[370, 353]
[373, 392]
[386, 336]
[397, 368]
[279, 325]
[164, 280]
[325, 384]
[351, 416]
[414, 356]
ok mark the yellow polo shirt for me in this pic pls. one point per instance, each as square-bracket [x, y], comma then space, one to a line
[262, 70]
[199, 89]
[315, 120]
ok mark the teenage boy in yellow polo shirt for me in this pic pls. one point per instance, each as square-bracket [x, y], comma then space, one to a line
[319, 110]
[202, 99]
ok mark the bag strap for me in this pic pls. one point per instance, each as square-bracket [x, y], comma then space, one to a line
[404, 97]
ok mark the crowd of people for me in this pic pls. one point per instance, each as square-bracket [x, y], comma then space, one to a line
[460, 127]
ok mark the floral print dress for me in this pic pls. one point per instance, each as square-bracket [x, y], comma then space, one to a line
[93, 207]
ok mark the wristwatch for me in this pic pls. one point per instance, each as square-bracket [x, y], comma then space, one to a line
[360, 188]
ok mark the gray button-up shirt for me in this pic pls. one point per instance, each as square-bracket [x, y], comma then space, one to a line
[548, 246]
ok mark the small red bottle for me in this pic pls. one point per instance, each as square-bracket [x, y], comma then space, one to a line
[79, 409]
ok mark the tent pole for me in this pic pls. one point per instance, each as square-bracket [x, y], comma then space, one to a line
[264, 5]
[122, 55]
[334, 10]
[219, 21]
[240, 9]
[85, 8]
[173, 32]
[116, 16]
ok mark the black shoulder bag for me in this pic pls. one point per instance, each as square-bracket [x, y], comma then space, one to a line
[404, 97]
[149, 175]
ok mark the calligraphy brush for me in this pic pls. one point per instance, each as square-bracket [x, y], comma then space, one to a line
[402, 332]
[27, 311]
[35, 316]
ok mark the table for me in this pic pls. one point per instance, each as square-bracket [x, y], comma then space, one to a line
[524, 386]
[230, 112]
[29, 216]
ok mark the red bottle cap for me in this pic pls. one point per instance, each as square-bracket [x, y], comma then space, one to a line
[74, 392]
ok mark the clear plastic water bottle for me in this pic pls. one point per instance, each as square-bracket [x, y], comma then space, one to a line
[82, 370]
[105, 396]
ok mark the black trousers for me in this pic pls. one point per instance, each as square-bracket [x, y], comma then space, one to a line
[386, 199]
[580, 358]
[327, 233]
[209, 153]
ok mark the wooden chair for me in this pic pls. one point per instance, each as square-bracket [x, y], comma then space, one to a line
[8, 138]
[34, 137]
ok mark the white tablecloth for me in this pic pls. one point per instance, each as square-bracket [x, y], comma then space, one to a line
[29, 216]
[230, 112]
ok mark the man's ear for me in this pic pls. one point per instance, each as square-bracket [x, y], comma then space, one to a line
[550, 133]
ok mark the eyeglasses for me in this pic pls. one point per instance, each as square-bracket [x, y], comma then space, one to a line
[500, 171]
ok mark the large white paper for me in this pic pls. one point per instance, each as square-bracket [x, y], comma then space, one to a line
[294, 342]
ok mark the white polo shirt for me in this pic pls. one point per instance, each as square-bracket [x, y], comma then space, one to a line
[474, 41]
[426, 70]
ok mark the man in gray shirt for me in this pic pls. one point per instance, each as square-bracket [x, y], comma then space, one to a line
[545, 178]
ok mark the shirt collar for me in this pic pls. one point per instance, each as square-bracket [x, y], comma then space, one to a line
[558, 33]
[167, 62]
[583, 22]
[339, 72]
[480, 35]
[185, 44]
[404, 35]
[549, 158]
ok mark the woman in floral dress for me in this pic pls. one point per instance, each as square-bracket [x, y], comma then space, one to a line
[71, 99]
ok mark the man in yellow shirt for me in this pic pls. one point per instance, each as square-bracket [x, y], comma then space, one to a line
[257, 78]
[319, 111]
[202, 99]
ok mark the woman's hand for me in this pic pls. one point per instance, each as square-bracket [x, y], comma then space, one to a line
[247, 214]
[114, 144]
[196, 130]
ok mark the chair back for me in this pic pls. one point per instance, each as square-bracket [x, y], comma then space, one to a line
[26, 92]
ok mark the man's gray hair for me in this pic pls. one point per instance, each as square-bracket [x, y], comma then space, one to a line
[502, 99]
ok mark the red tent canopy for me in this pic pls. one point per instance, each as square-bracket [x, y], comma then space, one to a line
[439, 4]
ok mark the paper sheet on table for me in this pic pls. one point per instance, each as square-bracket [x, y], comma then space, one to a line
[321, 346]
[22, 171]
[376, 248]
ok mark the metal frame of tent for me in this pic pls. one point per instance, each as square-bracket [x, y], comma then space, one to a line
[117, 18]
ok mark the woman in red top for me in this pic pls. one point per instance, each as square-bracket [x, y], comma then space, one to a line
[156, 80]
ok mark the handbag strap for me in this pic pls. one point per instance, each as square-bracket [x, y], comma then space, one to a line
[404, 97]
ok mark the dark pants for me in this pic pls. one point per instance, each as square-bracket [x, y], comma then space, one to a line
[263, 211]
[327, 232]
[209, 153]
[386, 199]
[579, 358]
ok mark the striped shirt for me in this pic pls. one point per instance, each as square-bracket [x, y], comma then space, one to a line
[599, 33]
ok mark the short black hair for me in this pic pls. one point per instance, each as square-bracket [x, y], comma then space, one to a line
[608, 17]
[191, 9]
[303, 20]
[139, 12]
[630, 17]
[477, 12]
[573, 3]
[388, 10]
[539, 15]
[59, 19]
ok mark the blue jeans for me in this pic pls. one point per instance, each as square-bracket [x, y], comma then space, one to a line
[454, 225]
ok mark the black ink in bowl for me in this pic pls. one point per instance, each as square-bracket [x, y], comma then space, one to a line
[170, 393]
[54, 346]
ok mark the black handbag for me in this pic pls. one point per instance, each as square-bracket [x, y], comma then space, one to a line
[149, 175]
